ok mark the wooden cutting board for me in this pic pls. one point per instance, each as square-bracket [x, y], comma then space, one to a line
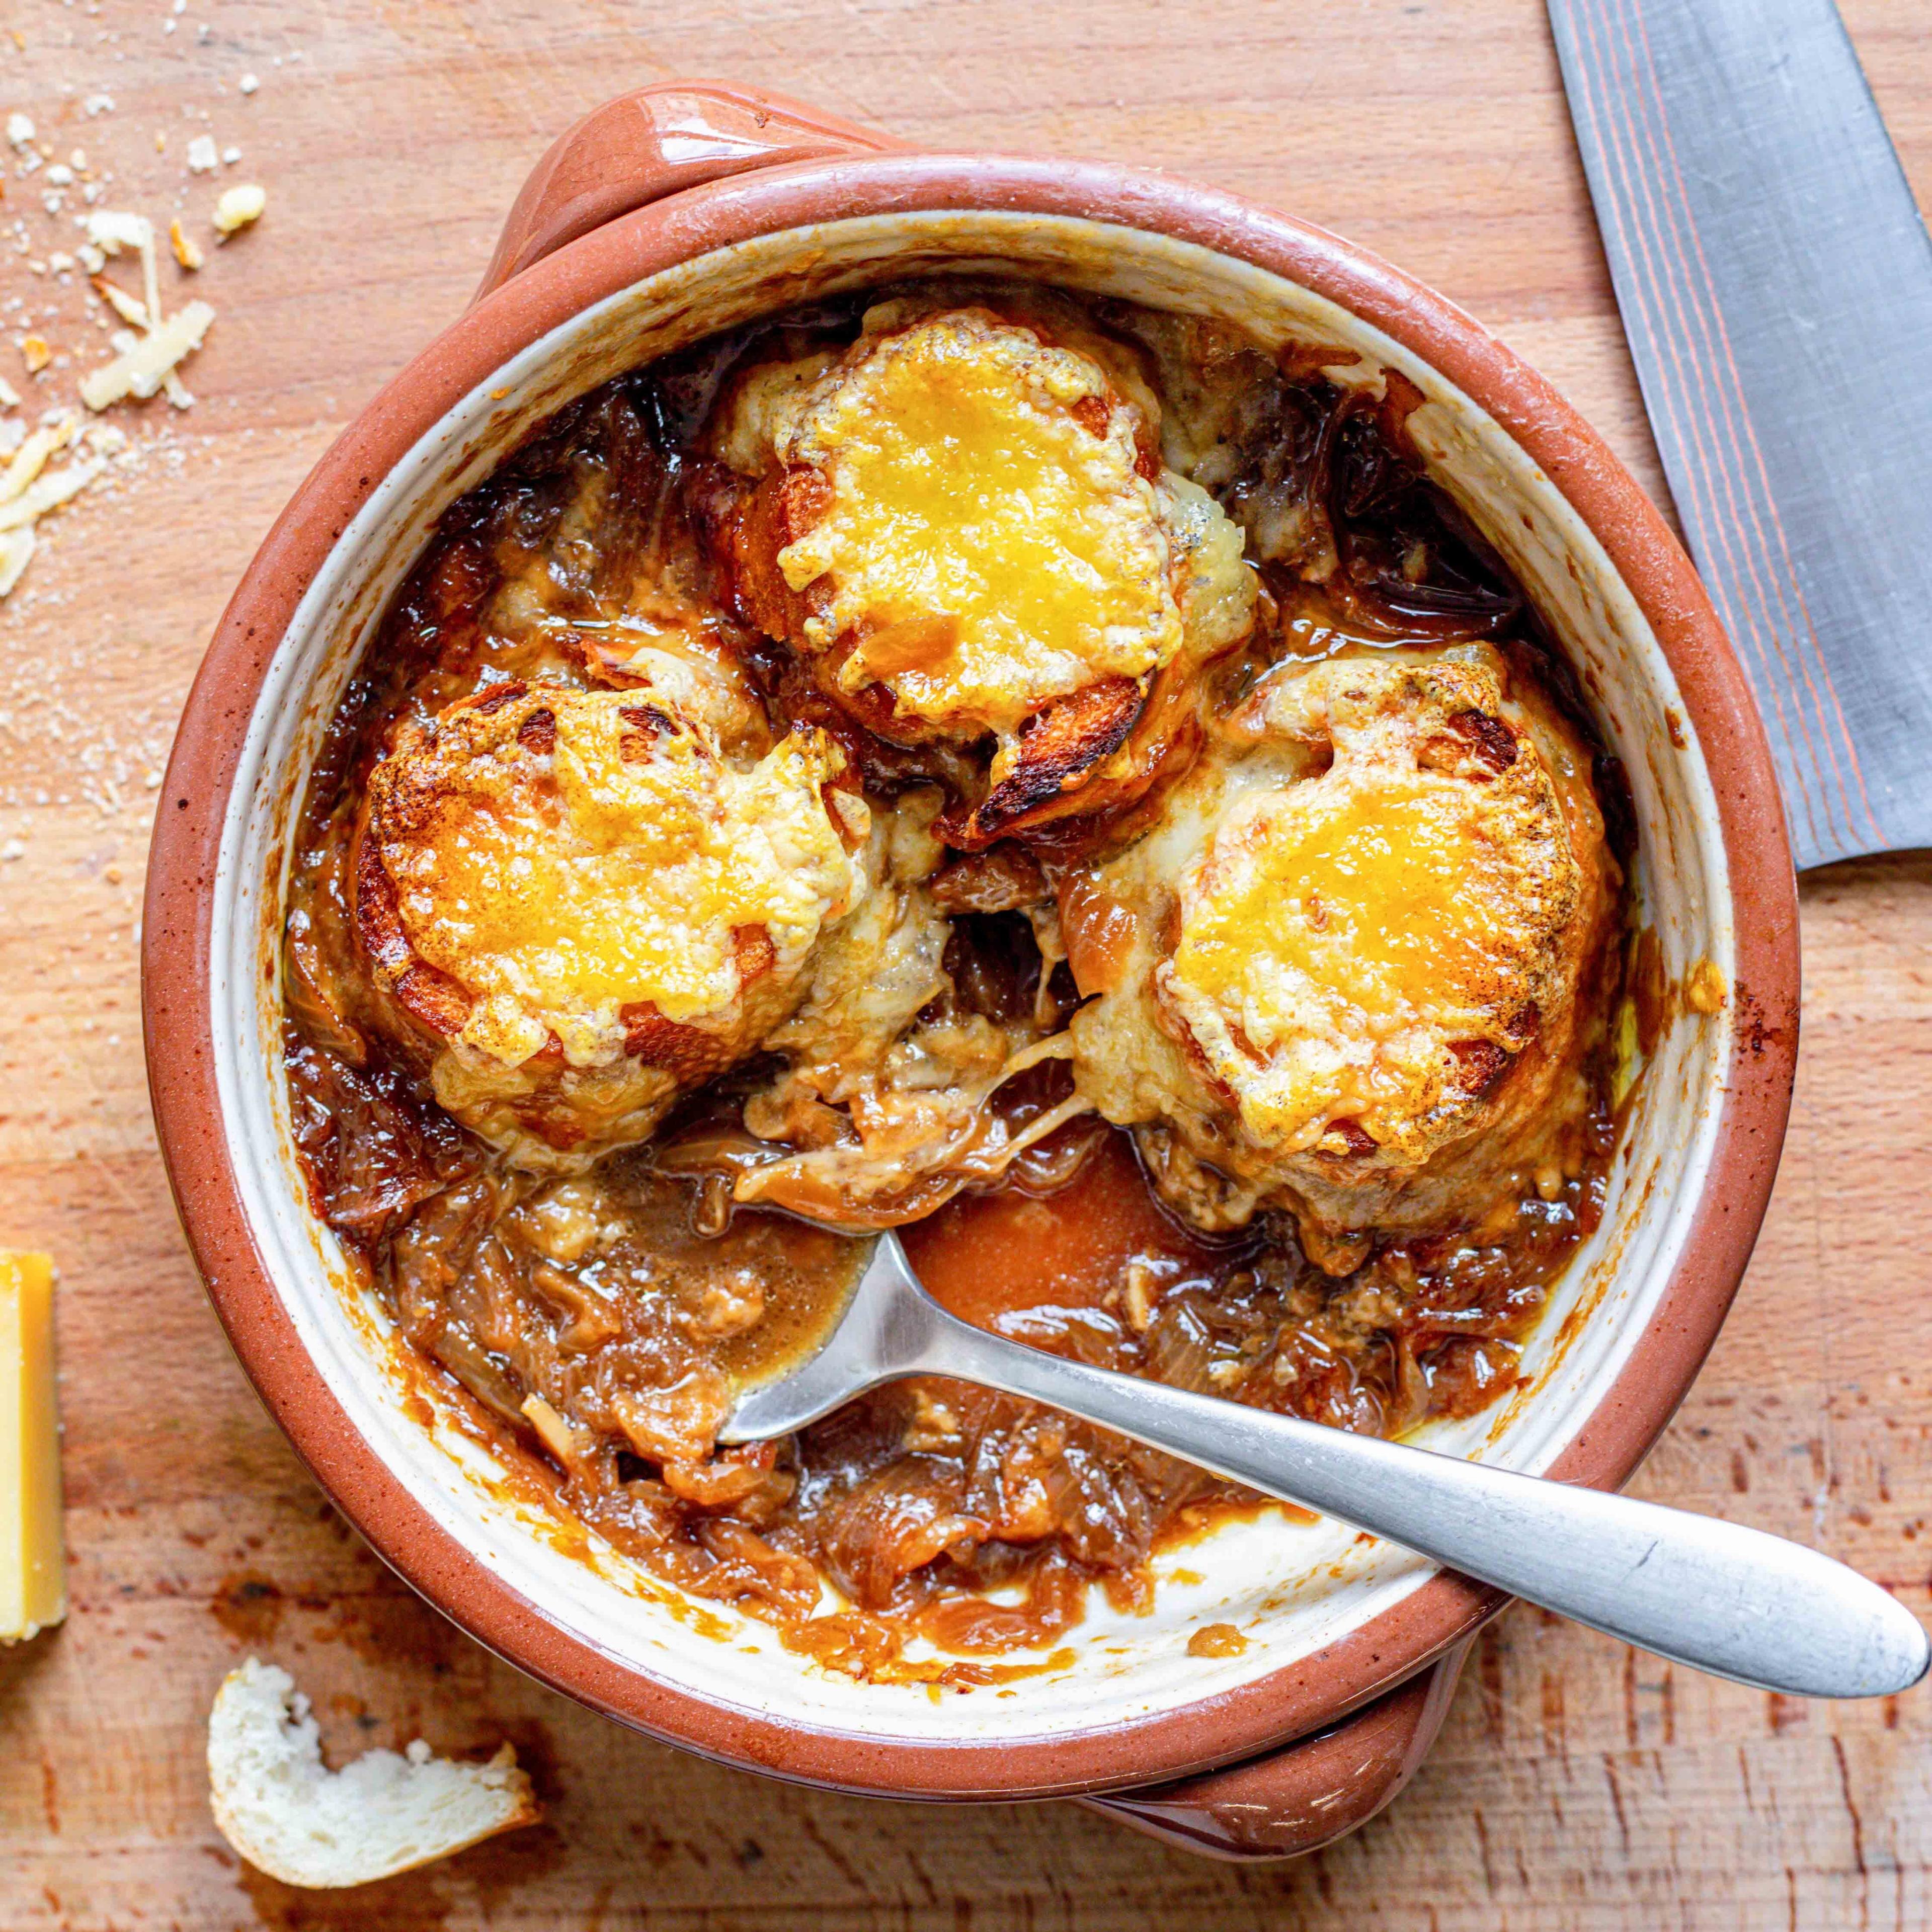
[1577, 1785]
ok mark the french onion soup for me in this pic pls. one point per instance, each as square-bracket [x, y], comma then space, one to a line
[1052, 777]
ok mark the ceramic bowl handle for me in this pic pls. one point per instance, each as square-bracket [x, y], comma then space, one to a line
[1308, 1793]
[643, 146]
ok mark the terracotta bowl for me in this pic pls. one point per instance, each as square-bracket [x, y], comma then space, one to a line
[681, 210]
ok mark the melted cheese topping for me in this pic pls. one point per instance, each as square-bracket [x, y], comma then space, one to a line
[1342, 936]
[1390, 902]
[559, 885]
[1000, 551]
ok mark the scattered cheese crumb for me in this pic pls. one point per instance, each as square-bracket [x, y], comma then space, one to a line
[203, 158]
[48, 440]
[49, 494]
[144, 369]
[97, 103]
[20, 129]
[229, 156]
[238, 207]
[16, 552]
[26, 494]
[249, 83]
[147, 356]
[117, 299]
[111, 232]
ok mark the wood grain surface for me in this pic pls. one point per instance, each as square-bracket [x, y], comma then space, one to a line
[1577, 1785]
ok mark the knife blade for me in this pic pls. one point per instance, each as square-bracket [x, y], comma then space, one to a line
[1774, 276]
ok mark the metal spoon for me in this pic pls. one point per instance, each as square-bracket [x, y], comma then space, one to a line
[1714, 1595]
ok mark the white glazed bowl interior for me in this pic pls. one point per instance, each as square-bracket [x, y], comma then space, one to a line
[1292, 1589]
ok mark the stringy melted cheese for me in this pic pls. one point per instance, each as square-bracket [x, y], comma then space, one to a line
[970, 507]
[559, 887]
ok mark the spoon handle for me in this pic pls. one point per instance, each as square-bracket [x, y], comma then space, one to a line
[1736, 1602]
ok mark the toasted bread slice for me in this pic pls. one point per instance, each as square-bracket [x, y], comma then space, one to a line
[289, 1815]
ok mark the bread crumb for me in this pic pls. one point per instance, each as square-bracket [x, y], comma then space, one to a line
[187, 251]
[203, 158]
[238, 207]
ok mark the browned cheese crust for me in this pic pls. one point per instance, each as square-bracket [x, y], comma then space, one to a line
[963, 527]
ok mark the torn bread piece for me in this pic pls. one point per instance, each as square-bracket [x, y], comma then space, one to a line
[289, 1815]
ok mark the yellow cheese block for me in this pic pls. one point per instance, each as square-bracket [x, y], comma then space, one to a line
[33, 1568]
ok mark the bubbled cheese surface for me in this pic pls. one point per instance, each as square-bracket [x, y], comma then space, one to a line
[559, 884]
[964, 487]
[1345, 939]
